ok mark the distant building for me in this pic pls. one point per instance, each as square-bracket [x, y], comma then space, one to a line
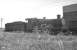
[70, 16]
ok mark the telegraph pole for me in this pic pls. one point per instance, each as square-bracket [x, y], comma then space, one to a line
[1, 22]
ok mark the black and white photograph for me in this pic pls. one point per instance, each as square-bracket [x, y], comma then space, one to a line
[38, 24]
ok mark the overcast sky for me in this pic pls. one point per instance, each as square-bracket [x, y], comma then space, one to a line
[18, 10]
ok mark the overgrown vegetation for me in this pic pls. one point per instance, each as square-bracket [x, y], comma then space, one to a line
[33, 41]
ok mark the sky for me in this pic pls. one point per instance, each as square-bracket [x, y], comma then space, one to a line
[18, 10]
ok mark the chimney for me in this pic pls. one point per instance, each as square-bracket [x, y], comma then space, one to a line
[44, 17]
[58, 16]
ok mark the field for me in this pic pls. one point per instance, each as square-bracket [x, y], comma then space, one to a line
[35, 41]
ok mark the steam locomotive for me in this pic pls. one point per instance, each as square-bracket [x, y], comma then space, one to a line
[50, 25]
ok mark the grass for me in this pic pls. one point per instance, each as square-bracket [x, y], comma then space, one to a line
[29, 41]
